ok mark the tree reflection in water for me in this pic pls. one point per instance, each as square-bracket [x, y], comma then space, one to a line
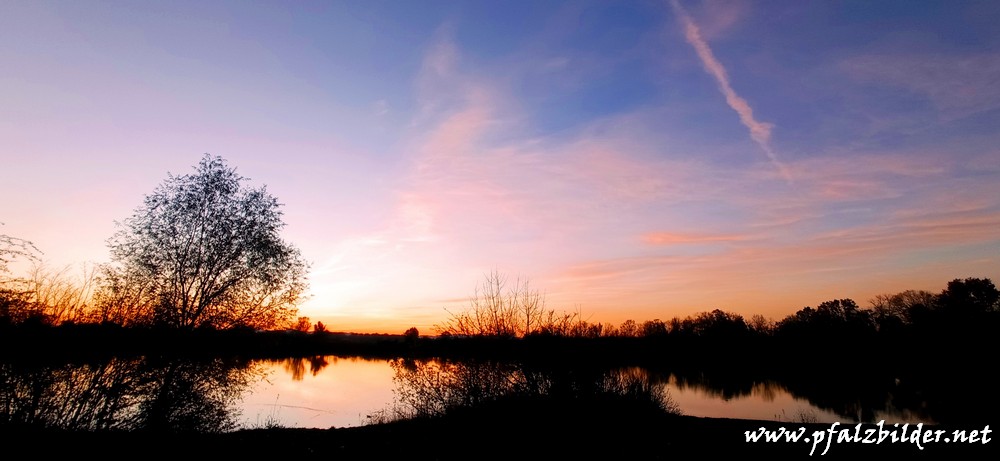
[435, 387]
[296, 366]
[126, 394]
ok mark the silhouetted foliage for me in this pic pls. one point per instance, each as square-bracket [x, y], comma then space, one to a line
[296, 366]
[971, 296]
[204, 250]
[15, 298]
[15, 307]
[894, 314]
[125, 394]
[513, 310]
[830, 343]
[760, 325]
[13, 249]
[838, 319]
[58, 297]
[628, 329]
[436, 387]
[42, 296]
[499, 309]
[899, 306]
[653, 329]
[720, 324]
[124, 297]
[303, 324]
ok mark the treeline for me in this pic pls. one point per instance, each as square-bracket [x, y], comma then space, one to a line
[969, 306]
[951, 327]
[950, 330]
[105, 294]
[95, 295]
[203, 250]
[964, 304]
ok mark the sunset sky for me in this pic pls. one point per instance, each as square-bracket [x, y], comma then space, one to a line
[644, 159]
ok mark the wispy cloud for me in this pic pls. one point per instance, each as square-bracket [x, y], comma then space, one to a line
[675, 238]
[957, 86]
[813, 268]
[614, 214]
[760, 132]
[717, 17]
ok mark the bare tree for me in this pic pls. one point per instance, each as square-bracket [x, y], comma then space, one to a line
[123, 297]
[303, 324]
[899, 305]
[58, 296]
[628, 329]
[13, 249]
[761, 325]
[15, 296]
[498, 308]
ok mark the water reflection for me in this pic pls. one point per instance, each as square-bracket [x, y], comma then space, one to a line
[317, 392]
[425, 388]
[412, 387]
[296, 366]
[844, 397]
[432, 387]
[223, 394]
[126, 394]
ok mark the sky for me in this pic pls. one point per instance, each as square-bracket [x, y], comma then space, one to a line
[631, 160]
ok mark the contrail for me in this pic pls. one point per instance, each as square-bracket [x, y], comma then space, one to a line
[760, 132]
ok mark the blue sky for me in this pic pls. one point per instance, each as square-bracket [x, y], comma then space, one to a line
[632, 159]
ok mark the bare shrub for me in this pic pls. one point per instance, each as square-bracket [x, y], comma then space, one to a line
[499, 308]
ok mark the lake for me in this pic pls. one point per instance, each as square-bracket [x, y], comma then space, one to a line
[331, 391]
[224, 394]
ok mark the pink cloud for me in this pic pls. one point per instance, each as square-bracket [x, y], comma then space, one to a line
[457, 134]
[767, 276]
[845, 176]
[569, 212]
[717, 17]
[611, 167]
[672, 238]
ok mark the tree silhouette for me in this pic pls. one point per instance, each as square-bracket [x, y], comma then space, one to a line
[303, 324]
[126, 394]
[653, 329]
[832, 320]
[500, 309]
[14, 294]
[14, 248]
[204, 251]
[628, 329]
[970, 296]
[900, 307]
[720, 324]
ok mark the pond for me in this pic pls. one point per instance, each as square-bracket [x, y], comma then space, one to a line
[330, 391]
[216, 395]
[318, 392]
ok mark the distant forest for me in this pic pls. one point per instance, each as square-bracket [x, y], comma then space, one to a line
[963, 316]
[203, 254]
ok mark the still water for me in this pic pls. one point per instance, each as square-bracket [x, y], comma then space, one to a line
[318, 393]
[224, 394]
[329, 391]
